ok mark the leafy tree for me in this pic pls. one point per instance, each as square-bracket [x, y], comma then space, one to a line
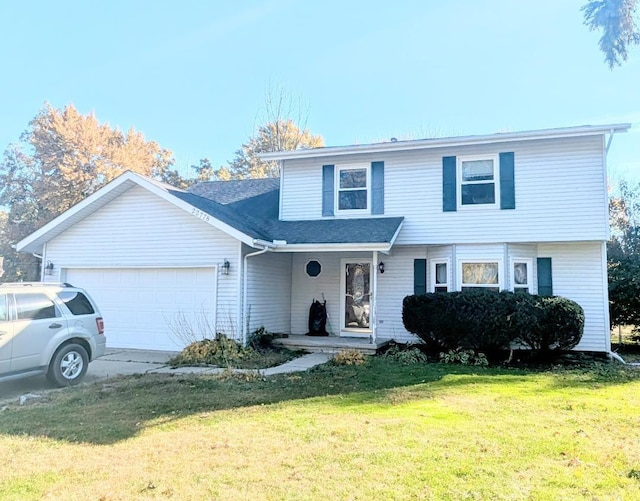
[616, 19]
[624, 257]
[278, 135]
[206, 172]
[284, 128]
[63, 157]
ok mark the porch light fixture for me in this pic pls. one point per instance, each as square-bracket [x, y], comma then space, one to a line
[48, 269]
[381, 267]
[224, 269]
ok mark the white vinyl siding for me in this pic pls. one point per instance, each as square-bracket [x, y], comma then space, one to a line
[140, 230]
[560, 193]
[269, 292]
[393, 286]
[578, 274]
[301, 189]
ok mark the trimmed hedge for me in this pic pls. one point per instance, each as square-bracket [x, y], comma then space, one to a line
[487, 321]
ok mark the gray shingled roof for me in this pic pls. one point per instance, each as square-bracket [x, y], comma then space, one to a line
[251, 206]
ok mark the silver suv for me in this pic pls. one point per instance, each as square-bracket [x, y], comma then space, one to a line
[52, 329]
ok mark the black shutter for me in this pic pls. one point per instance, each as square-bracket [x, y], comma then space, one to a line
[419, 276]
[507, 181]
[377, 187]
[545, 277]
[449, 202]
[327, 190]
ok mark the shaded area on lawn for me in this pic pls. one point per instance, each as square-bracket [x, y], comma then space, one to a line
[119, 409]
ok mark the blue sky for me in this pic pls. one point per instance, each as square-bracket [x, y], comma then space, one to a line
[192, 75]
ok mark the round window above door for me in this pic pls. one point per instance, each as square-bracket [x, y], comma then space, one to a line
[314, 268]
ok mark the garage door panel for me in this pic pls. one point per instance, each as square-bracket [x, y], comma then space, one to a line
[140, 306]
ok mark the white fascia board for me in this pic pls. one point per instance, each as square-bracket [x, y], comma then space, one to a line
[347, 247]
[420, 144]
[395, 235]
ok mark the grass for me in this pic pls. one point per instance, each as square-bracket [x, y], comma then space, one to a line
[381, 430]
[623, 343]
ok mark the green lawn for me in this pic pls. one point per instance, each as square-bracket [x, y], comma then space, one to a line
[378, 431]
[629, 349]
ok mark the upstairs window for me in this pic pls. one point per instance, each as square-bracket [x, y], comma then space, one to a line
[353, 189]
[477, 179]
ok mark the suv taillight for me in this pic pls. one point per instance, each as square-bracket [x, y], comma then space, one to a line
[100, 324]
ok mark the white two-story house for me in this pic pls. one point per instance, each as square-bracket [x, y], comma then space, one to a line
[359, 227]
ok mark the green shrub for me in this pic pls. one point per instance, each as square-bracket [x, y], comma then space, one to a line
[464, 357]
[487, 321]
[556, 324]
[405, 354]
[479, 319]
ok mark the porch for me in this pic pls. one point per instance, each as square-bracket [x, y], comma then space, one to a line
[332, 344]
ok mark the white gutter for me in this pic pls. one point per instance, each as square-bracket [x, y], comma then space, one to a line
[383, 247]
[502, 137]
[245, 283]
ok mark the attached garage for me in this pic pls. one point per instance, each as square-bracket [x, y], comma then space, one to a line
[152, 308]
[151, 257]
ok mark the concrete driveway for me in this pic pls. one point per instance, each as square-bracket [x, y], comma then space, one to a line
[114, 362]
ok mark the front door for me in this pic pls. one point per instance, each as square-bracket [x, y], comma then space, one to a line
[356, 293]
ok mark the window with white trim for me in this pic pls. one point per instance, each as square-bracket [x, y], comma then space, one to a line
[352, 190]
[439, 275]
[521, 269]
[480, 274]
[477, 181]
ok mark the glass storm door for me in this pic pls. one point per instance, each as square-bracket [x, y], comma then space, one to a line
[357, 295]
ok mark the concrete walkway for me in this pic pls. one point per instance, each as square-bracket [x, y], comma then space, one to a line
[303, 363]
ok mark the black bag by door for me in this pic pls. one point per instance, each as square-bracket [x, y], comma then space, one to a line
[318, 319]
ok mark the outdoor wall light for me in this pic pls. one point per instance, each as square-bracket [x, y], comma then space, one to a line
[48, 269]
[381, 267]
[225, 267]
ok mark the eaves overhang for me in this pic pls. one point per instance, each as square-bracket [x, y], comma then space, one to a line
[422, 144]
[36, 240]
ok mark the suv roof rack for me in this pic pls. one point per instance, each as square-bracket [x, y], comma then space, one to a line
[37, 284]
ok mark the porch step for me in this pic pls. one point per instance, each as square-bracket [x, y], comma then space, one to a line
[331, 344]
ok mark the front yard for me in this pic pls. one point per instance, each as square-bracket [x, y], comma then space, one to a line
[377, 431]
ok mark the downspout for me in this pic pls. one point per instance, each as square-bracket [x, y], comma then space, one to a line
[606, 149]
[605, 286]
[41, 258]
[245, 282]
[373, 314]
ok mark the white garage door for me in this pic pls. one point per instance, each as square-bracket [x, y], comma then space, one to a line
[152, 308]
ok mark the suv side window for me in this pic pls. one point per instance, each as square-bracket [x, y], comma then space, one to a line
[4, 310]
[35, 306]
[77, 302]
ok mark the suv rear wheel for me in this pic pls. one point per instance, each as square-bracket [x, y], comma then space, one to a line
[69, 365]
